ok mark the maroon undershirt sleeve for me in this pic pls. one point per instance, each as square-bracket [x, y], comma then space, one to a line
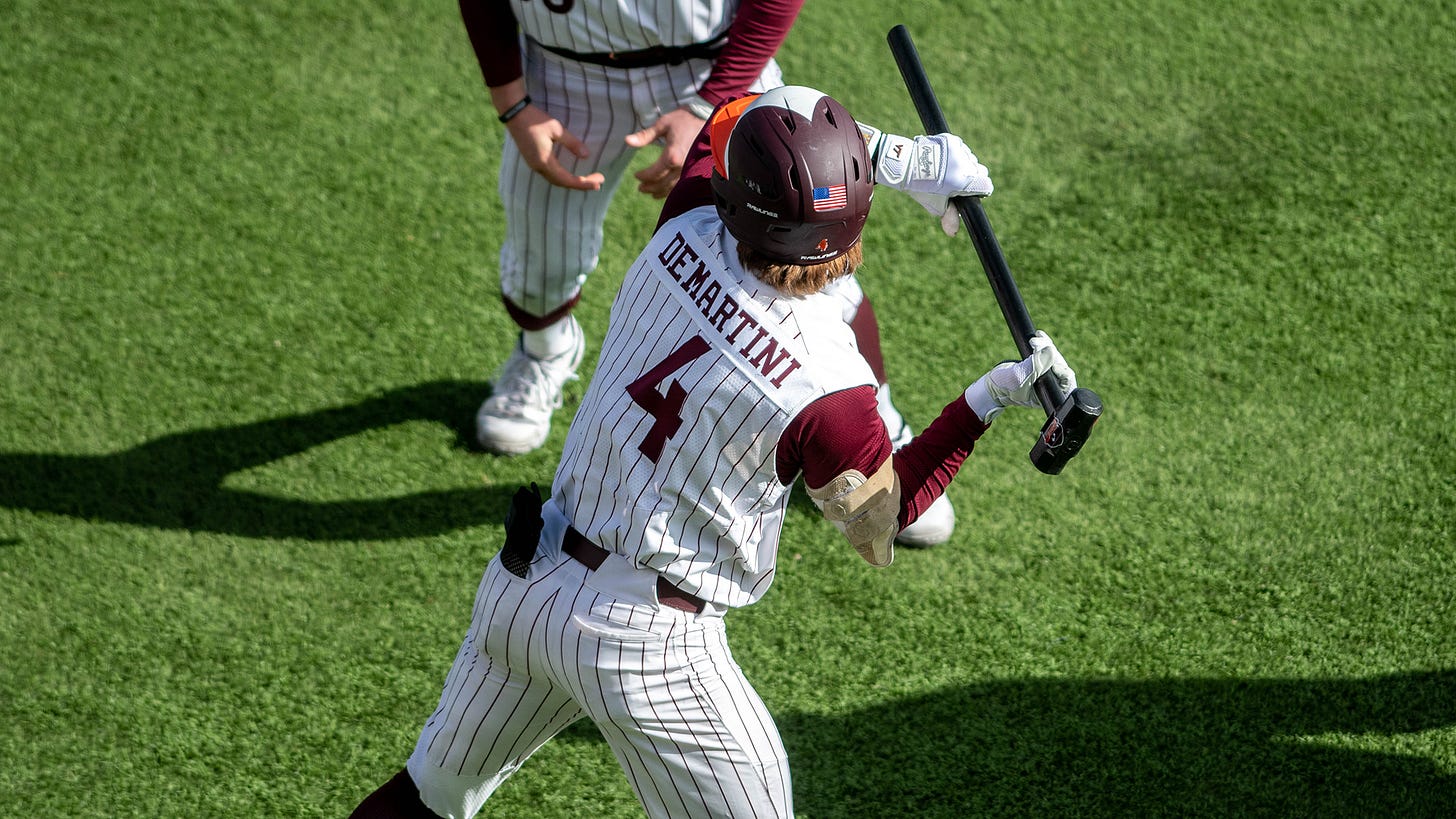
[755, 35]
[494, 34]
[843, 431]
[927, 464]
[834, 434]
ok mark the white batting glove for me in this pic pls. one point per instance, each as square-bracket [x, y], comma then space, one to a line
[929, 168]
[1012, 383]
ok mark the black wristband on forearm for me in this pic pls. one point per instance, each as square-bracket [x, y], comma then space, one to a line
[511, 112]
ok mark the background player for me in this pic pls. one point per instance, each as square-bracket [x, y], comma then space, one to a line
[725, 375]
[585, 84]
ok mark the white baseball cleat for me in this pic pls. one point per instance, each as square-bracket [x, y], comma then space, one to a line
[516, 418]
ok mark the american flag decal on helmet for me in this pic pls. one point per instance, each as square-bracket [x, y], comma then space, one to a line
[832, 197]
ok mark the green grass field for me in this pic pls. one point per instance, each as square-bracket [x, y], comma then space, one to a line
[248, 306]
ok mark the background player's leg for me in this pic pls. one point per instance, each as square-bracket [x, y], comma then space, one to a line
[527, 390]
[553, 239]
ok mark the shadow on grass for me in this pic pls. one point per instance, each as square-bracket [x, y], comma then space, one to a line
[175, 482]
[1083, 748]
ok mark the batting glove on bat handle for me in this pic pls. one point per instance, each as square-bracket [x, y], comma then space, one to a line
[1013, 383]
[931, 169]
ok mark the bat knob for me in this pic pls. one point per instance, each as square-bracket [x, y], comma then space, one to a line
[1066, 430]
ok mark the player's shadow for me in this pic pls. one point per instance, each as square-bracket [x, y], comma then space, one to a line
[176, 481]
[1094, 748]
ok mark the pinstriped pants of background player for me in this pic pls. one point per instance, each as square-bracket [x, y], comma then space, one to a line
[553, 234]
[689, 731]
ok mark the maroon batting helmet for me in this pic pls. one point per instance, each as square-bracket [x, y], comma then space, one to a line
[793, 178]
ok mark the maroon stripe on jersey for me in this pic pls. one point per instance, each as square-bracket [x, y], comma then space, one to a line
[688, 331]
[642, 36]
[715, 482]
[606, 453]
[558, 26]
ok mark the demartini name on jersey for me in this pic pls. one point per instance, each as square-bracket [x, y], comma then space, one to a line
[759, 349]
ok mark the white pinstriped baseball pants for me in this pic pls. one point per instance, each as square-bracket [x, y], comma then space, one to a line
[554, 235]
[687, 728]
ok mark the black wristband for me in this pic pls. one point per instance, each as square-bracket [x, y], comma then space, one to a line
[511, 112]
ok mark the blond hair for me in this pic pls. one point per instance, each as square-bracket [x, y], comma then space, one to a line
[800, 279]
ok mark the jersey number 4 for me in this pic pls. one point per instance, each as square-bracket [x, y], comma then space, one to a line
[665, 408]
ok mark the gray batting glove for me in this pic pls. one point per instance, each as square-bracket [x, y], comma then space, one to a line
[1012, 383]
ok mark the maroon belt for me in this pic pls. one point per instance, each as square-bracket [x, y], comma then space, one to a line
[590, 555]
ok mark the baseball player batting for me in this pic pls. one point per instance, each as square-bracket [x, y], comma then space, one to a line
[726, 375]
[581, 85]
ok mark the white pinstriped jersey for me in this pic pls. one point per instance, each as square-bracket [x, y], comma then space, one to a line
[671, 457]
[600, 26]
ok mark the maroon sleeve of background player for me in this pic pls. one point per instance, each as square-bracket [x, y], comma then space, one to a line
[866, 329]
[754, 36]
[843, 431]
[492, 28]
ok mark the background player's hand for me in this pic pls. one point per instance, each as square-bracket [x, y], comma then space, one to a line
[676, 130]
[537, 135]
[1011, 383]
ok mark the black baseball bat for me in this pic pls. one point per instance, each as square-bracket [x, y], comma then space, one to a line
[1069, 417]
